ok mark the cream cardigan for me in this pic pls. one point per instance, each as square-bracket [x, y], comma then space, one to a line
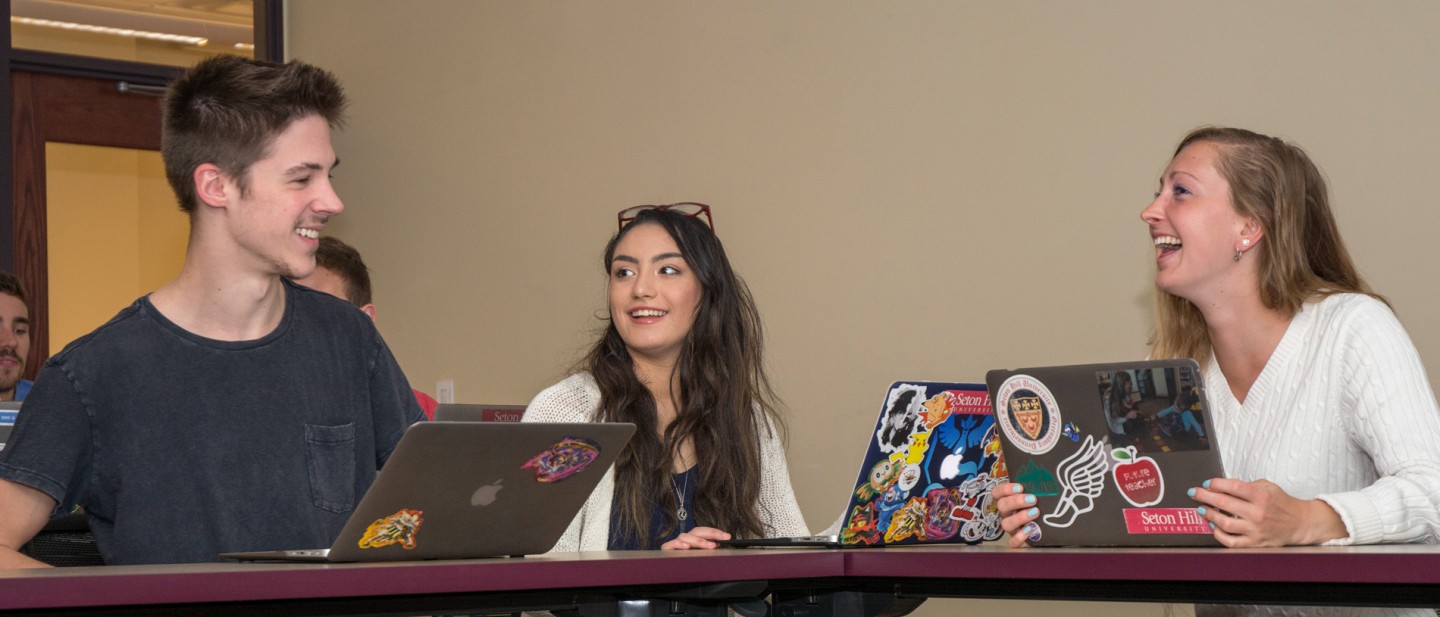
[577, 399]
[1342, 412]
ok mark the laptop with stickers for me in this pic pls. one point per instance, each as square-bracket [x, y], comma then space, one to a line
[469, 412]
[932, 459]
[1109, 450]
[459, 490]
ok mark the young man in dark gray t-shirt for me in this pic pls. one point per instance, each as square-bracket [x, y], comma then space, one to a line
[230, 410]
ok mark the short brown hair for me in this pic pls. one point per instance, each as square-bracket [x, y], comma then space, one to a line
[10, 284]
[345, 262]
[227, 111]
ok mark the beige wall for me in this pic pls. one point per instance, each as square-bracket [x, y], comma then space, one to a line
[912, 189]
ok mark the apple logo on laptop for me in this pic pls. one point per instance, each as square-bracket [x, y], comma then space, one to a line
[485, 495]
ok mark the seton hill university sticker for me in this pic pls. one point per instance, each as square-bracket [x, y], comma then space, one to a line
[1028, 414]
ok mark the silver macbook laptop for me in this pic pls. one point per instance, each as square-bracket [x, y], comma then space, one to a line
[1109, 450]
[459, 490]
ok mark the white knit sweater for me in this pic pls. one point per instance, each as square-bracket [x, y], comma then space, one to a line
[1344, 413]
[577, 399]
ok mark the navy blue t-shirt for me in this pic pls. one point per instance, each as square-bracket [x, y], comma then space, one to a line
[660, 518]
[181, 447]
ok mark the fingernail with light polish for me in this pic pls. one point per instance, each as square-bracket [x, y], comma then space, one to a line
[1205, 484]
[1201, 510]
[1032, 512]
[1029, 500]
[1190, 493]
[1016, 488]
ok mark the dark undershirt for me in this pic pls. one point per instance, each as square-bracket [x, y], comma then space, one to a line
[660, 517]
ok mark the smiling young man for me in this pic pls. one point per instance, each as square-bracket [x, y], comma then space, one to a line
[230, 410]
[14, 338]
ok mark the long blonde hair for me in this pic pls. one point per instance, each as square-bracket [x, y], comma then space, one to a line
[1301, 257]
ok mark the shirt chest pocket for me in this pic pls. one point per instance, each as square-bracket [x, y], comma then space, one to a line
[330, 458]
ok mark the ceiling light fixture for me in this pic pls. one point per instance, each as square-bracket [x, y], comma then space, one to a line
[197, 41]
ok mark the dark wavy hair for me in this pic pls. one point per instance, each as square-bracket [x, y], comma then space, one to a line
[723, 404]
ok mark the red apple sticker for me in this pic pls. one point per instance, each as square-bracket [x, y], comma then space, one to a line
[1137, 477]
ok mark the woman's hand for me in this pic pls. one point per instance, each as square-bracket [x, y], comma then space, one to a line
[697, 538]
[1260, 513]
[1017, 510]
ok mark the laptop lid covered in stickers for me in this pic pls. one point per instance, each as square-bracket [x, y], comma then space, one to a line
[458, 490]
[1109, 450]
[933, 458]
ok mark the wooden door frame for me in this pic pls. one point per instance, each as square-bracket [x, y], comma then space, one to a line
[82, 105]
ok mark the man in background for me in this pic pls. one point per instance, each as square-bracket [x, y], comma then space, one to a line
[14, 338]
[340, 272]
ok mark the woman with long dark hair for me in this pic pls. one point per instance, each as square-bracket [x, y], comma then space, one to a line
[680, 358]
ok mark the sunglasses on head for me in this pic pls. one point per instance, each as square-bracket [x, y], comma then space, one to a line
[689, 209]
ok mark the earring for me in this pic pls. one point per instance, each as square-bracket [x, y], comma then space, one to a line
[1238, 254]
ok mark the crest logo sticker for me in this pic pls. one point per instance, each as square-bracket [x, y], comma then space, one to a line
[1028, 414]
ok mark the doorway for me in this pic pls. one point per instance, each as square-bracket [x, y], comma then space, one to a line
[59, 109]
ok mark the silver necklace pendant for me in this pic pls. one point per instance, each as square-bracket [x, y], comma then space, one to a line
[680, 512]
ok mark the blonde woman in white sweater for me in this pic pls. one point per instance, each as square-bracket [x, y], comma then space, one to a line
[681, 358]
[1325, 418]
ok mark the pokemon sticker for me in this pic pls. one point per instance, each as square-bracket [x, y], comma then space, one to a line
[398, 528]
[567, 457]
[882, 475]
[909, 522]
[919, 443]
[940, 407]
[941, 502]
[1082, 479]
[990, 449]
[888, 503]
[1137, 477]
[909, 477]
[1028, 414]
[862, 527]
